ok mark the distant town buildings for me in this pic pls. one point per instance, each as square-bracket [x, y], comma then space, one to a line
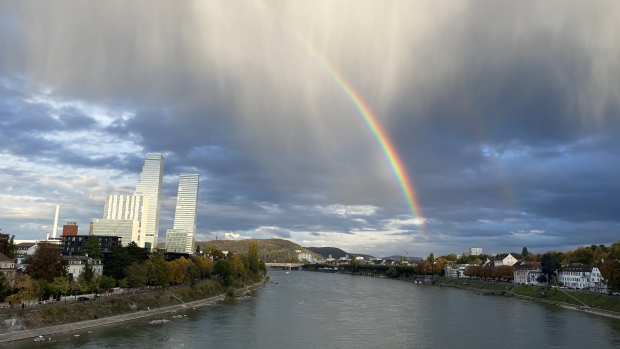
[475, 251]
[150, 185]
[504, 259]
[307, 256]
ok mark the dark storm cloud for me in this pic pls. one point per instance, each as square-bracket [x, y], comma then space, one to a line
[506, 115]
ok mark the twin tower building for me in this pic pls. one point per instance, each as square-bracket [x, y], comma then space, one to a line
[136, 217]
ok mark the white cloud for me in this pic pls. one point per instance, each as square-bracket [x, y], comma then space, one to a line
[348, 210]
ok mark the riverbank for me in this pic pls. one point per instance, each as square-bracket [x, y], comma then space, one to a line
[42, 321]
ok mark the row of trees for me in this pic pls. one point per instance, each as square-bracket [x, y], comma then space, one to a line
[130, 266]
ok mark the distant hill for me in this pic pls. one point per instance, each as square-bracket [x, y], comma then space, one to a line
[334, 251]
[268, 249]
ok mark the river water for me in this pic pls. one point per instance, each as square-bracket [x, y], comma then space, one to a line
[320, 310]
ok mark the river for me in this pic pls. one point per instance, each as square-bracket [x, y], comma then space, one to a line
[320, 310]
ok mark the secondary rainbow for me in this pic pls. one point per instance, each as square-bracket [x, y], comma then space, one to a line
[386, 145]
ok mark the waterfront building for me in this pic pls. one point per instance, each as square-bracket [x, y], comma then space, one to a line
[577, 276]
[597, 283]
[475, 251]
[504, 259]
[77, 263]
[71, 228]
[150, 185]
[527, 272]
[185, 215]
[75, 244]
[127, 229]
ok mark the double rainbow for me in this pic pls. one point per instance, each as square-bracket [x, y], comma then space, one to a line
[382, 138]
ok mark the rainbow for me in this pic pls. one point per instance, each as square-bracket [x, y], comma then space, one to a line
[386, 145]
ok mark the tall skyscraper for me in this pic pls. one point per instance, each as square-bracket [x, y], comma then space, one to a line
[149, 185]
[185, 214]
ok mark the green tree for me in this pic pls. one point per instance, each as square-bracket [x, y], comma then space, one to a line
[549, 264]
[137, 275]
[253, 257]
[431, 258]
[524, 253]
[61, 285]
[391, 273]
[355, 264]
[88, 273]
[8, 246]
[24, 289]
[197, 249]
[214, 252]
[451, 257]
[226, 269]
[107, 282]
[46, 262]
[477, 261]
[93, 248]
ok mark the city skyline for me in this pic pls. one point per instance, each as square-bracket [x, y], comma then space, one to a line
[447, 126]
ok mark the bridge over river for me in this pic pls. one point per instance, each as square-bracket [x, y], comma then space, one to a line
[285, 266]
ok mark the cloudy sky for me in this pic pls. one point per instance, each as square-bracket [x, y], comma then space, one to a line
[506, 116]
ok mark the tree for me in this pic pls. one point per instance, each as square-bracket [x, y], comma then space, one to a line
[61, 285]
[88, 272]
[541, 279]
[119, 260]
[238, 264]
[424, 267]
[610, 271]
[391, 273]
[163, 271]
[107, 282]
[584, 255]
[204, 265]
[504, 271]
[253, 257]
[214, 252]
[549, 264]
[451, 257]
[46, 262]
[197, 249]
[288, 259]
[477, 261]
[473, 271]
[524, 253]
[137, 275]
[431, 258]
[8, 246]
[24, 288]
[226, 269]
[355, 264]
[93, 248]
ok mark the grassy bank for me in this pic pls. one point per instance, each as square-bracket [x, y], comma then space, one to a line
[491, 286]
[106, 307]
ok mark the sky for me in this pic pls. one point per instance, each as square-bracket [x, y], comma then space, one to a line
[504, 115]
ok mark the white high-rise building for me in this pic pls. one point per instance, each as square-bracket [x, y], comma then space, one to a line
[149, 185]
[126, 216]
[185, 213]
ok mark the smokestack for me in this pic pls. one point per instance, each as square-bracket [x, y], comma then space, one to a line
[56, 221]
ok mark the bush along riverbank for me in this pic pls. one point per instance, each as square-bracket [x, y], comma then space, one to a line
[128, 303]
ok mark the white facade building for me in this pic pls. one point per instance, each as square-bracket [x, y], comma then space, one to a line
[149, 185]
[527, 272]
[577, 276]
[307, 256]
[597, 283]
[127, 229]
[77, 264]
[504, 259]
[185, 213]
[475, 251]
